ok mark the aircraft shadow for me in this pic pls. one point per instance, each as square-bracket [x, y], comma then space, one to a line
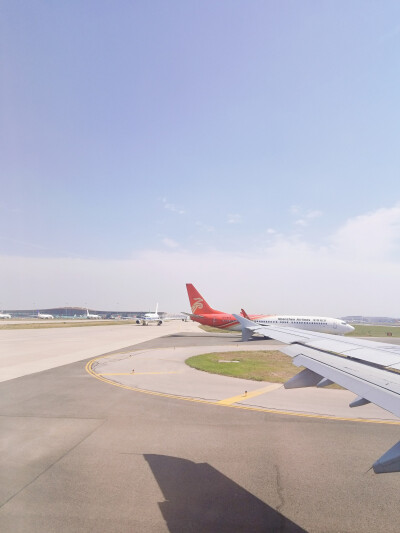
[203, 335]
[198, 498]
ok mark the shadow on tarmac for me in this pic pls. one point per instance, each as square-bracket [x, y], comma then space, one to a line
[199, 498]
[204, 335]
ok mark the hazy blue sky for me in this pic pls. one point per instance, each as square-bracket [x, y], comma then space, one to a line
[249, 147]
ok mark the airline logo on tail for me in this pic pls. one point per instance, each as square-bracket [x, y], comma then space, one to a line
[198, 304]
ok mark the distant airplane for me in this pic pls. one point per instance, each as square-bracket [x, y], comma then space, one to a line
[44, 316]
[150, 317]
[91, 315]
[370, 369]
[5, 315]
[206, 315]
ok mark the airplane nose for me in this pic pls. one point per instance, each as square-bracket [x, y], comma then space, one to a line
[350, 328]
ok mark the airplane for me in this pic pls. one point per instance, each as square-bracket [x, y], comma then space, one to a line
[44, 316]
[221, 320]
[150, 317]
[370, 369]
[91, 316]
[5, 315]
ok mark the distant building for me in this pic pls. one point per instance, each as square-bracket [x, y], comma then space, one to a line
[73, 312]
[372, 320]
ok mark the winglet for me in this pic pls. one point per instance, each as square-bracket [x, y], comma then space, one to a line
[248, 327]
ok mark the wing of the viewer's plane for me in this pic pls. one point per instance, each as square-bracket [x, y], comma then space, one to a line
[369, 369]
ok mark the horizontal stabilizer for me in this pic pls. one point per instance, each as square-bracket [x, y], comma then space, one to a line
[389, 462]
[358, 402]
[192, 315]
[306, 378]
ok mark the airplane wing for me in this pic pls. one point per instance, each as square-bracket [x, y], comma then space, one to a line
[369, 369]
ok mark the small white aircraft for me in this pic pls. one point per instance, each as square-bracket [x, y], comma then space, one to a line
[150, 317]
[44, 316]
[91, 315]
[5, 315]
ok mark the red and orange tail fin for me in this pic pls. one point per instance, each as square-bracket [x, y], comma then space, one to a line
[197, 303]
[244, 314]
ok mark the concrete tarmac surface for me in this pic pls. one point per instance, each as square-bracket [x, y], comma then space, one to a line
[24, 351]
[163, 370]
[78, 454]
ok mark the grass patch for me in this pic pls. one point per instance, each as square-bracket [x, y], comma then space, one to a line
[68, 324]
[262, 365]
[364, 330]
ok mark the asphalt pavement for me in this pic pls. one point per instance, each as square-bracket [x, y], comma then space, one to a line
[80, 454]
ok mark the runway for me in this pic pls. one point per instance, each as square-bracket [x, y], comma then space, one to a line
[79, 454]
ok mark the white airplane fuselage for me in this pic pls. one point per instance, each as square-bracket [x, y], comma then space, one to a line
[151, 317]
[45, 316]
[310, 323]
[5, 315]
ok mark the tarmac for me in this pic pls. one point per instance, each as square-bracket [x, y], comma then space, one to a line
[81, 454]
[25, 351]
[163, 371]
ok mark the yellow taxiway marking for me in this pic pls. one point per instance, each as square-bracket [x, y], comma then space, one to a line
[90, 371]
[251, 394]
[132, 373]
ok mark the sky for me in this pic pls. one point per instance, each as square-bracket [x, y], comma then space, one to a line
[249, 148]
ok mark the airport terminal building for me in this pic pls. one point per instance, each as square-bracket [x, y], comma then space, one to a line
[75, 312]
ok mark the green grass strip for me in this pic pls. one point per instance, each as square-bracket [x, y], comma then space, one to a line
[366, 330]
[264, 365]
